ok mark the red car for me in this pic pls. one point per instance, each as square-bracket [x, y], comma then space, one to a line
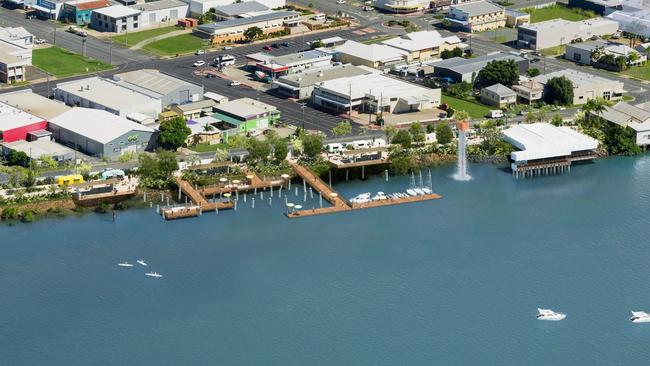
[267, 48]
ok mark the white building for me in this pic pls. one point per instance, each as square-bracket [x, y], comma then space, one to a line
[276, 66]
[15, 54]
[556, 32]
[203, 6]
[233, 29]
[423, 45]
[634, 117]
[402, 6]
[107, 95]
[586, 86]
[373, 93]
[162, 11]
[301, 85]
[634, 17]
[582, 52]
[477, 16]
[544, 148]
[378, 56]
[116, 18]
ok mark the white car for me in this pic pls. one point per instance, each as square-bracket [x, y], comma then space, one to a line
[198, 63]
[235, 83]
[39, 41]
[199, 52]
[228, 48]
[340, 2]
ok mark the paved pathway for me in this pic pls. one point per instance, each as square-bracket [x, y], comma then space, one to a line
[141, 44]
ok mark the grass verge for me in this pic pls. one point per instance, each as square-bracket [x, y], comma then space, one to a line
[558, 11]
[137, 37]
[62, 63]
[639, 72]
[471, 106]
[184, 43]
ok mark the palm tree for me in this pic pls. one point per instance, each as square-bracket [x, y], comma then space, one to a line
[208, 127]
[632, 58]
[594, 107]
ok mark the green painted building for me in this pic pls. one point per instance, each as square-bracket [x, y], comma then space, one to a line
[79, 11]
[247, 114]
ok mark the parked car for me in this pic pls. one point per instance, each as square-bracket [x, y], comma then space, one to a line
[198, 63]
[199, 52]
[496, 113]
[267, 48]
[534, 60]
[235, 83]
[40, 41]
[286, 44]
[275, 45]
[228, 48]
[210, 76]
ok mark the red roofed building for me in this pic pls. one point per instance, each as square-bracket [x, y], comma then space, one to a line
[16, 124]
[79, 11]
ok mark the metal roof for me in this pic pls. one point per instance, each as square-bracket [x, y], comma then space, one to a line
[627, 115]
[206, 103]
[105, 92]
[543, 140]
[12, 117]
[477, 8]
[236, 9]
[243, 21]
[469, 65]
[372, 52]
[500, 90]
[117, 11]
[158, 5]
[153, 80]
[417, 41]
[312, 77]
[34, 103]
[96, 124]
[245, 108]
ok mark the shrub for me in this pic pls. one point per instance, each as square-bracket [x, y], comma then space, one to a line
[28, 216]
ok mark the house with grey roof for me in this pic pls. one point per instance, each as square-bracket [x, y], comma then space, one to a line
[239, 10]
[498, 95]
[582, 52]
[466, 69]
[635, 117]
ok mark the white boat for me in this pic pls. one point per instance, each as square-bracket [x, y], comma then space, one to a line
[426, 190]
[142, 262]
[640, 317]
[419, 191]
[153, 274]
[379, 196]
[125, 264]
[362, 198]
[548, 314]
[411, 192]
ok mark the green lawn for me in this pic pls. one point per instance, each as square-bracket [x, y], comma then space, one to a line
[639, 72]
[206, 147]
[471, 106]
[558, 11]
[137, 37]
[554, 51]
[185, 43]
[63, 63]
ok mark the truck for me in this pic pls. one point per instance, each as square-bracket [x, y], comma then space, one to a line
[496, 113]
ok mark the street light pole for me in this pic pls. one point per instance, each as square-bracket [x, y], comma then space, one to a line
[110, 52]
[53, 26]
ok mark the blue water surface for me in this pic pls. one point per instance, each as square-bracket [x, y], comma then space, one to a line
[454, 281]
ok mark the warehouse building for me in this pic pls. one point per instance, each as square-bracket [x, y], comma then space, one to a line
[466, 69]
[556, 32]
[602, 7]
[423, 45]
[583, 53]
[15, 124]
[161, 11]
[402, 6]
[198, 7]
[239, 10]
[99, 133]
[301, 85]
[168, 89]
[374, 93]
[587, 86]
[116, 18]
[33, 103]
[377, 56]
[37, 149]
[232, 30]
[99, 93]
[247, 114]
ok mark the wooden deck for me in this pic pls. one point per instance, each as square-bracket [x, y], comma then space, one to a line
[199, 200]
[256, 183]
[340, 204]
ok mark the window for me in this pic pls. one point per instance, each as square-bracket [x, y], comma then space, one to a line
[123, 27]
[135, 25]
[135, 18]
[577, 57]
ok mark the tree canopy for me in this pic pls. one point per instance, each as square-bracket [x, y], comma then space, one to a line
[505, 72]
[280, 150]
[173, 133]
[456, 52]
[156, 170]
[444, 134]
[417, 132]
[258, 151]
[312, 145]
[342, 128]
[402, 137]
[559, 90]
[253, 33]
[18, 158]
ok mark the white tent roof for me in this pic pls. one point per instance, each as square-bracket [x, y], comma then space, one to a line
[543, 140]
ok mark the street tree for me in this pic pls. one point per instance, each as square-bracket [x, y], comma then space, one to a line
[417, 132]
[253, 33]
[173, 133]
[342, 128]
[559, 90]
[505, 72]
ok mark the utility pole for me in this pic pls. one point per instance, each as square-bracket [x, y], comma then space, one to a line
[303, 105]
[53, 26]
[110, 52]
[83, 47]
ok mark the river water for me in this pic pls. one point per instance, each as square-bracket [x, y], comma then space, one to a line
[454, 281]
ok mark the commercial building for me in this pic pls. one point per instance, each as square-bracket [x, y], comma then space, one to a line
[516, 18]
[79, 11]
[33, 103]
[37, 149]
[108, 95]
[205, 130]
[633, 18]
[423, 45]
[545, 149]
[116, 18]
[635, 117]
[247, 114]
[198, 7]
[374, 93]
[99, 133]
[556, 32]
[498, 95]
[168, 89]
[586, 86]
[602, 7]
[476, 16]
[301, 85]
[466, 69]
[583, 53]
[47, 9]
[16, 45]
[15, 124]
[528, 91]
[161, 11]
[276, 66]
[402, 6]
[239, 10]
[195, 109]
[377, 56]
[233, 29]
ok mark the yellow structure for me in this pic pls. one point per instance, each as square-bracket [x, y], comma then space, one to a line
[66, 180]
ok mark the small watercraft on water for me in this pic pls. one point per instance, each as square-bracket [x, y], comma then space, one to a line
[548, 314]
[640, 317]
[142, 262]
[125, 264]
[411, 192]
[426, 190]
[362, 198]
[153, 274]
[379, 196]
[419, 191]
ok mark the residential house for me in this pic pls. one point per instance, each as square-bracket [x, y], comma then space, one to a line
[528, 91]
[498, 95]
[586, 86]
[476, 16]
[583, 53]
[635, 117]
